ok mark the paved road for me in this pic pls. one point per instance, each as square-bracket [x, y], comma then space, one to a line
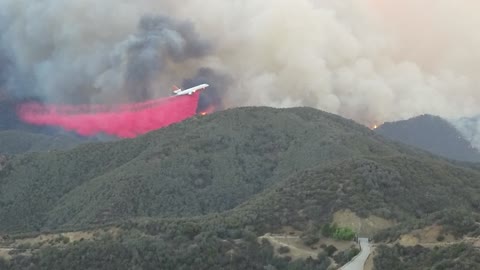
[358, 262]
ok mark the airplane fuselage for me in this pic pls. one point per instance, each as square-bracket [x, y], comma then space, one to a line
[190, 91]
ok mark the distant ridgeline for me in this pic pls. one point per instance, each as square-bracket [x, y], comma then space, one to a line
[433, 134]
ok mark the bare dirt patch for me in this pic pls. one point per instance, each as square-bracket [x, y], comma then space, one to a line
[427, 235]
[476, 243]
[369, 263]
[297, 249]
[57, 238]
[4, 253]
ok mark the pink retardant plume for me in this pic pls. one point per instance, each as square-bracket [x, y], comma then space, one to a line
[125, 121]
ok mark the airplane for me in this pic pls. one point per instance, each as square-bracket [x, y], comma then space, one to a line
[179, 92]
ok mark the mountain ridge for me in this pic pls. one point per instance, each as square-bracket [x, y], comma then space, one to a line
[433, 134]
[211, 186]
[203, 165]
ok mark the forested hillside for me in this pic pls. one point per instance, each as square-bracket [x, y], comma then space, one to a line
[19, 141]
[209, 186]
[204, 165]
[460, 256]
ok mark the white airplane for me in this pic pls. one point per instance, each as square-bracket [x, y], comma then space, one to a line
[179, 92]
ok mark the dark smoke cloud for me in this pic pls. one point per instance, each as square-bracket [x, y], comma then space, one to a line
[53, 60]
[146, 54]
[75, 61]
[5, 65]
[214, 94]
[9, 119]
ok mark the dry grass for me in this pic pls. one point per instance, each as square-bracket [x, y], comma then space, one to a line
[365, 227]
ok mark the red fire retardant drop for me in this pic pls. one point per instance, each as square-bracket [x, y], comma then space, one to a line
[126, 120]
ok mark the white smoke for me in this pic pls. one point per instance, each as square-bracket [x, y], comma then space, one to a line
[369, 60]
[469, 127]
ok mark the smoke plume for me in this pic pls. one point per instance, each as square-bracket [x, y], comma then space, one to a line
[369, 60]
[470, 129]
[211, 99]
[86, 52]
[138, 60]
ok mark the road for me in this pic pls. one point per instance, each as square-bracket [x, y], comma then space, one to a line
[359, 261]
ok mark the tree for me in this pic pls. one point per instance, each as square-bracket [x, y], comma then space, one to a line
[344, 234]
[330, 250]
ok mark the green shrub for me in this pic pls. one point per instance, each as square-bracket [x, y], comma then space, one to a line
[330, 250]
[328, 230]
[24, 246]
[344, 234]
[310, 239]
[344, 257]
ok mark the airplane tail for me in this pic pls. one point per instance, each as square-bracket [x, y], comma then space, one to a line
[175, 89]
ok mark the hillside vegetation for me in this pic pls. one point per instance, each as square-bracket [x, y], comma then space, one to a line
[200, 166]
[209, 186]
[396, 188]
[18, 142]
[216, 163]
[460, 256]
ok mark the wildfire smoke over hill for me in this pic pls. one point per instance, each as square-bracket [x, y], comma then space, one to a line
[372, 61]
